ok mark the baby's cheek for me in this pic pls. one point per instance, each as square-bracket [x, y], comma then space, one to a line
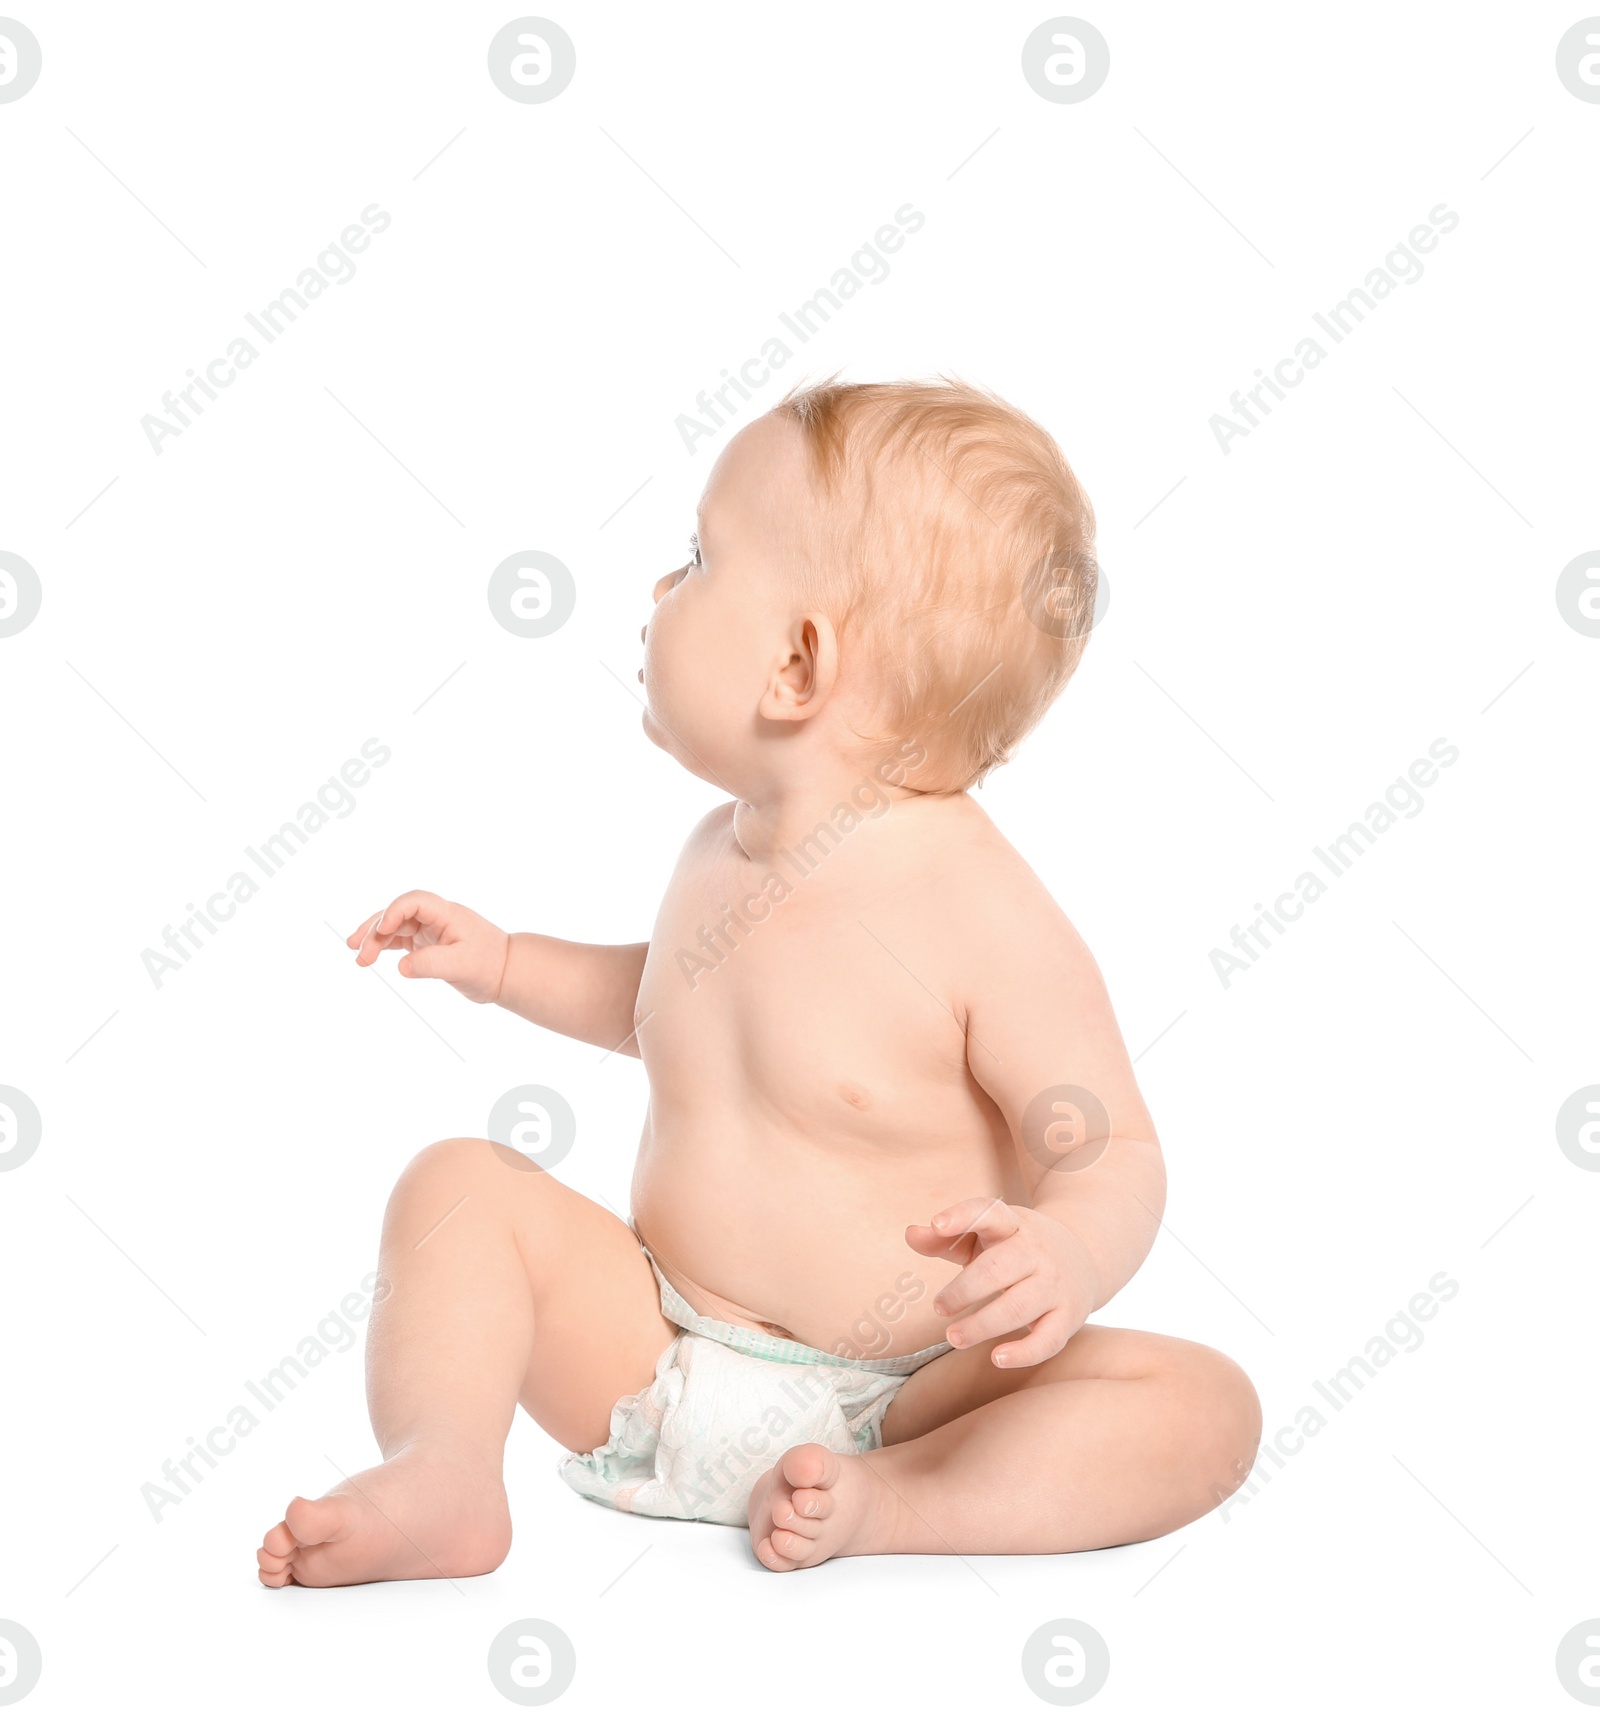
[658, 663]
[668, 688]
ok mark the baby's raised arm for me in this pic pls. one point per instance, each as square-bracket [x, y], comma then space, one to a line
[586, 992]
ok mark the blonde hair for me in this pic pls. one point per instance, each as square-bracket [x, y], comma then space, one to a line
[958, 561]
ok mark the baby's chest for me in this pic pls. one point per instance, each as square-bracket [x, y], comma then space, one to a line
[806, 1000]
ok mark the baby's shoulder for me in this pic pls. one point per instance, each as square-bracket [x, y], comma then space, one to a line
[711, 829]
[971, 850]
[999, 895]
[706, 844]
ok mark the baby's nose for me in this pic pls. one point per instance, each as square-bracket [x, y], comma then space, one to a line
[667, 582]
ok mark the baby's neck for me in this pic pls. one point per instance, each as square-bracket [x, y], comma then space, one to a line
[785, 815]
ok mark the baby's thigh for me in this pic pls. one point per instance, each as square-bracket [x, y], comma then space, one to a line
[515, 1272]
[597, 1324]
[1195, 1384]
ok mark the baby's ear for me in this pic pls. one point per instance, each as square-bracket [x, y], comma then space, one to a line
[804, 677]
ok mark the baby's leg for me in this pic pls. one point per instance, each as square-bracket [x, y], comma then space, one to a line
[1121, 1436]
[503, 1286]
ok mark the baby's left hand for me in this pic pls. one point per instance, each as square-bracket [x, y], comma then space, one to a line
[1024, 1269]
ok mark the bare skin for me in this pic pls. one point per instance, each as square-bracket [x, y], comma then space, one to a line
[846, 1071]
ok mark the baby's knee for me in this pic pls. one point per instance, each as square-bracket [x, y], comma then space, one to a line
[448, 1159]
[458, 1166]
[1238, 1404]
[1225, 1422]
[441, 1178]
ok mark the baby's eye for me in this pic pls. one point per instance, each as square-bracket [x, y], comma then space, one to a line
[694, 550]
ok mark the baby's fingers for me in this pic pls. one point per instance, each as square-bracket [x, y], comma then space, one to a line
[932, 1244]
[991, 1219]
[1043, 1342]
[442, 961]
[355, 939]
[989, 1273]
[422, 908]
[1015, 1308]
[963, 1230]
[406, 916]
[372, 943]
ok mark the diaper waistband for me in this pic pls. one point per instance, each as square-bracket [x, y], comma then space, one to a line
[778, 1349]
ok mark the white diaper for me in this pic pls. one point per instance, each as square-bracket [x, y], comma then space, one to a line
[725, 1403]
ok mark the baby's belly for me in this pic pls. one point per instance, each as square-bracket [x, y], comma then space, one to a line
[803, 1239]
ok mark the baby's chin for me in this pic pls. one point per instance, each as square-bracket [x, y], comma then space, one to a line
[680, 751]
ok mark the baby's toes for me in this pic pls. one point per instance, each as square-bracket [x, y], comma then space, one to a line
[769, 1557]
[799, 1548]
[810, 1504]
[275, 1556]
[809, 1464]
[279, 1541]
[799, 1512]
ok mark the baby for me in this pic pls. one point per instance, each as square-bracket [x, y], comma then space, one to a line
[894, 1156]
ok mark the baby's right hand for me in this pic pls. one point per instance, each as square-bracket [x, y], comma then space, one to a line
[438, 939]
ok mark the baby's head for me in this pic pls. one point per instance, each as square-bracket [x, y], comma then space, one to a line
[895, 573]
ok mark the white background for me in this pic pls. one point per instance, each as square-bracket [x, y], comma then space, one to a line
[1290, 628]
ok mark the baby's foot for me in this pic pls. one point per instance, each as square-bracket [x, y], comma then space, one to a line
[418, 1516]
[815, 1505]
